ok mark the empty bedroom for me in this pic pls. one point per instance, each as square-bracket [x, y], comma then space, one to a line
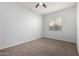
[39, 29]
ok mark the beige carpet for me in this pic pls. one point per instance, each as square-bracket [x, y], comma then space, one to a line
[42, 47]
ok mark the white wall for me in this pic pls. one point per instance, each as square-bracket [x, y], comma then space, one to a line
[78, 26]
[18, 25]
[68, 32]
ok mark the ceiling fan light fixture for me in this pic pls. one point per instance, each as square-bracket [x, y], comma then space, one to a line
[41, 4]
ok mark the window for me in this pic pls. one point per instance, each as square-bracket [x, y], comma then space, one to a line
[55, 24]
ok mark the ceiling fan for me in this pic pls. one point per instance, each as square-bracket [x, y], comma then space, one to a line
[41, 4]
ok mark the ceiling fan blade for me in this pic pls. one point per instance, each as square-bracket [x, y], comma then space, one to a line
[44, 5]
[37, 5]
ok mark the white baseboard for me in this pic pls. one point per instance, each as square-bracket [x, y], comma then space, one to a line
[18, 43]
[59, 39]
[7, 46]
